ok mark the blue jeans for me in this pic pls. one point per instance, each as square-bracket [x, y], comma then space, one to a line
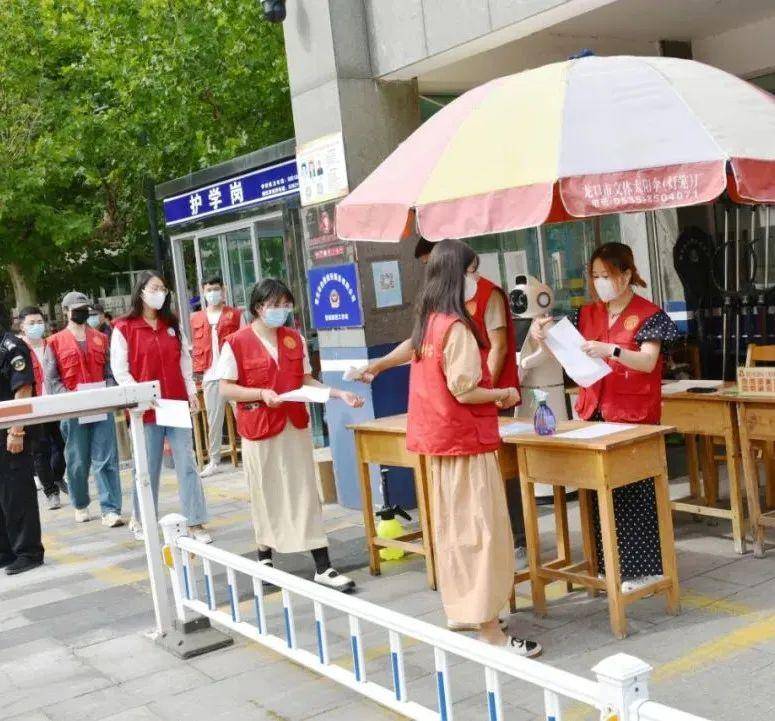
[192, 497]
[92, 446]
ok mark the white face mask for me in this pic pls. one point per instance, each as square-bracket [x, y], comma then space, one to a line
[470, 287]
[154, 300]
[606, 290]
[214, 297]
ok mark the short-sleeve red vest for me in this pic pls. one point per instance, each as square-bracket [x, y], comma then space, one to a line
[509, 377]
[624, 395]
[257, 369]
[154, 355]
[439, 424]
[76, 366]
[202, 335]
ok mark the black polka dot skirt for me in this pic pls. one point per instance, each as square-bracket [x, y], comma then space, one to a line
[637, 529]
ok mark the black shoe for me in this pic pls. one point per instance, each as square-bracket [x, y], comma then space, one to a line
[7, 559]
[63, 487]
[22, 564]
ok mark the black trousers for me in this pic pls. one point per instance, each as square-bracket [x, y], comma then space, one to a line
[48, 453]
[19, 515]
[514, 501]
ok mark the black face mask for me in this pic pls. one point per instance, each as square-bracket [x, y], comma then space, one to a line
[79, 315]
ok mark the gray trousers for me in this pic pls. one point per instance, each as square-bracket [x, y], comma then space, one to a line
[215, 405]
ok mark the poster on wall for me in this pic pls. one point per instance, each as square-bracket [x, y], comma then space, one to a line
[322, 169]
[387, 283]
[334, 297]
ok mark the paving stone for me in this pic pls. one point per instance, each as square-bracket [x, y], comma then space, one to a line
[234, 660]
[92, 706]
[141, 713]
[128, 657]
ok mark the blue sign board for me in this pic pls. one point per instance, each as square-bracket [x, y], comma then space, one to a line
[233, 193]
[334, 297]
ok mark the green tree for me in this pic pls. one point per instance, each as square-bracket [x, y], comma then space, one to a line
[98, 95]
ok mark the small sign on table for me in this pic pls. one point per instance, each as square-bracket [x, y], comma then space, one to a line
[756, 381]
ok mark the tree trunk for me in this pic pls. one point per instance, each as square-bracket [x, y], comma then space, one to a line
[24, 290]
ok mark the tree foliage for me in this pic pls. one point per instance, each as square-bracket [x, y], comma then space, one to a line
[98, 95]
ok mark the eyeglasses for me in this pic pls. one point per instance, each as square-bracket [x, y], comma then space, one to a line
[155, 289]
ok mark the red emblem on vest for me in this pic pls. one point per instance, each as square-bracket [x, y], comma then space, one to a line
[289, 342]
[631, 322]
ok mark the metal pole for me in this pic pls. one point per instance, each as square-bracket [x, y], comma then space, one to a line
[737, 286]
[153, 229]
[767, 247]
[161, 605]
[724, 300]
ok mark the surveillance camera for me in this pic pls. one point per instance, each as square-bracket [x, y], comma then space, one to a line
[274, 10]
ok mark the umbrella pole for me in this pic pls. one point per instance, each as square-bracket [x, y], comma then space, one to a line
[724, 301]
[737, 286]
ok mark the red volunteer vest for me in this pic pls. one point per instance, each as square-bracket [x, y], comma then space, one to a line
[74, 365]
[438, 424]
[37, 368]
[257, 369]
[154, 355]
[625, 395]
[509, 377]
[202, 336]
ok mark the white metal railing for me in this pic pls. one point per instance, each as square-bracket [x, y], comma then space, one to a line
[620, 692]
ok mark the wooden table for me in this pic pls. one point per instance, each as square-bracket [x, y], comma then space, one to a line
[383, 442]
[595, 466]
[756, 422]
[709, 416]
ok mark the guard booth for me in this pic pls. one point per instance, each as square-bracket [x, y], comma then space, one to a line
[240, 221]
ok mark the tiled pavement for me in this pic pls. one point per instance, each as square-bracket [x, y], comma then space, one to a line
[72, 642]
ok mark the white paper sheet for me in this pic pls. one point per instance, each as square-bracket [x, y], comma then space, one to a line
[513, 429]
[307, 394]
[352, 372]
[683, 385]
[86, 420]
[173, 414]
[596, 431]
[565, 343]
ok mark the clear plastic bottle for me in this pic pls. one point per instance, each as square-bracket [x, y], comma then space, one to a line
[544, 422]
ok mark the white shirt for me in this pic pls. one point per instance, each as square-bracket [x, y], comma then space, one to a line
[227, 364]
[213, 318]
[119, 361]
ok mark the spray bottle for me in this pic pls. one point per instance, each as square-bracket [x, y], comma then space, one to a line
[544, 422]
[389, 526]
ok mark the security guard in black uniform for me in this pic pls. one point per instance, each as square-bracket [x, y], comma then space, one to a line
[20, 545]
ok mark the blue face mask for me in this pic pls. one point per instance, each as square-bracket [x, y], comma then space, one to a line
[275, 317]
[35, 331]
[93, 321]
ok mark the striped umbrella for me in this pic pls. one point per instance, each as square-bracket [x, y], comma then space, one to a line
[584, 137]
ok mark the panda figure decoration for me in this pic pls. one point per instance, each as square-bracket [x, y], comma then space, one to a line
[538, 369]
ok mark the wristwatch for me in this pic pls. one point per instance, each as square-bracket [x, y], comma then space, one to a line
[616, 352]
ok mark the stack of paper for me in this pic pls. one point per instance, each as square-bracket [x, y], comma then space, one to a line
[684, 385]
[565, 343]
[307, 394]
[598, 430]
[513, 429]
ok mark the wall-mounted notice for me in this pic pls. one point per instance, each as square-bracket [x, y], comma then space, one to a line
[322, 169]
[387, 283]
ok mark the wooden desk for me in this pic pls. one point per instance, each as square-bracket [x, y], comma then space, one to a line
[596, 466]
[756, 422]
[201, 432]
[709, 416]
[383, 442]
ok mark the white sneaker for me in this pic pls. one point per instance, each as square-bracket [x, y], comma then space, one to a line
[112, 520]
[523, 647]
[136, 530]
[82, 515]
[200, 533]
[520, 558]
[333, 579]
[38, 484]
[210, 469]
[54, 502]
[635, 584]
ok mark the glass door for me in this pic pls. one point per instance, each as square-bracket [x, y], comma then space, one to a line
[241, 266]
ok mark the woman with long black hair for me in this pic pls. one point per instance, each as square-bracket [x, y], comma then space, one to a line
[146, 345]
[453, 419]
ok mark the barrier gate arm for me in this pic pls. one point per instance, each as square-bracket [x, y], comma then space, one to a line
[136, 399]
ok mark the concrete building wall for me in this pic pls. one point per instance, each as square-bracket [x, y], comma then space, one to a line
[746, 51]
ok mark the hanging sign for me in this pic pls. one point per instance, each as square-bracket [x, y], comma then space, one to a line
[322, 169]
[334, 296]
[259, 186]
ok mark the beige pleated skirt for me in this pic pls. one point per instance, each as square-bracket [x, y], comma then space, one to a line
[472, 533]
[284, 501]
